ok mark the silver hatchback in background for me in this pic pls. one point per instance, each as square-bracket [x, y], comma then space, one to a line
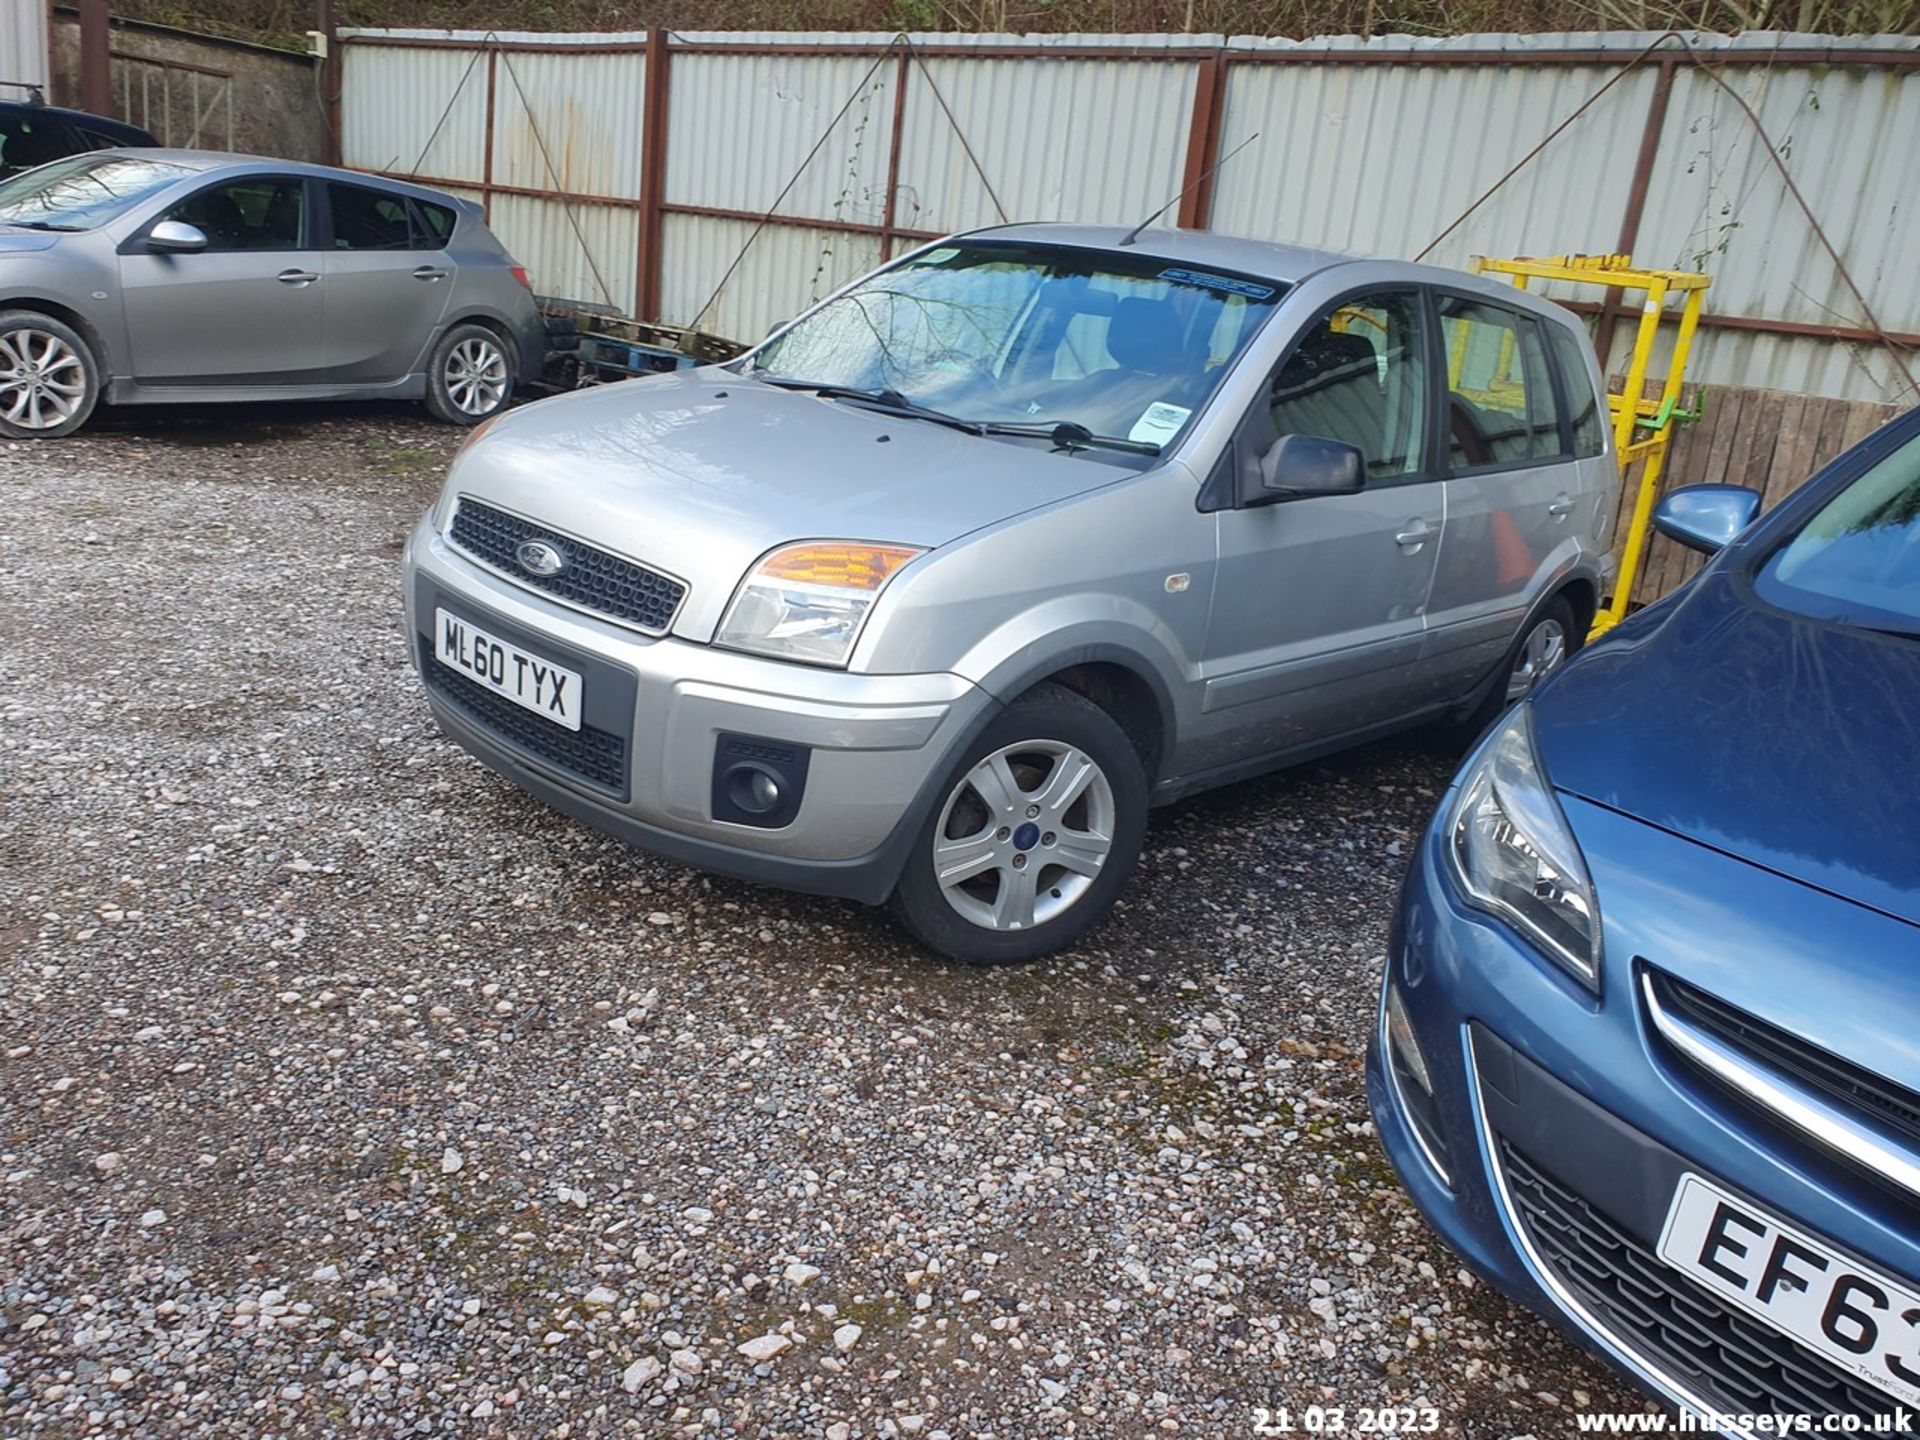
[166, 276]
[929, 598]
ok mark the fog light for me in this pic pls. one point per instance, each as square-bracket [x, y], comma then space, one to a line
[1412, 1082]
[753, 789]
[1404, 1043]
[758, 782]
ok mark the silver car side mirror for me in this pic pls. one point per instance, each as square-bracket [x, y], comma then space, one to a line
[177, 236]
[1706, 517]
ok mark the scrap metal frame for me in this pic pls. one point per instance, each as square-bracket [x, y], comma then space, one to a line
[1213, 64]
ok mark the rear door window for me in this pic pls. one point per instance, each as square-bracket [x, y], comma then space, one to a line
[365, 219]
[1501, 407]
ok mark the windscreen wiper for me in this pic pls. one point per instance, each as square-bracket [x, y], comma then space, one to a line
[1071, 435]
[44, 225]
[882, 399]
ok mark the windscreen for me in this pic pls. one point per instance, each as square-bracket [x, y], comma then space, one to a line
[1034, 334]
[1857, 560]
[83, 192]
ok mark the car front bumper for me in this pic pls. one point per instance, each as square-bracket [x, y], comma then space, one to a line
[875, 744]
[1563, 1123]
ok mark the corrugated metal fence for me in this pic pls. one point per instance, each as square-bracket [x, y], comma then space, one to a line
[633, 169]
[23, 45]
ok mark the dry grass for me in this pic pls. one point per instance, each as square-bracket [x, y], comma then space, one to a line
[284, 20]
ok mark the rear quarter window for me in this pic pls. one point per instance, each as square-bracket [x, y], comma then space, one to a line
[432, 225]
[1583, 405]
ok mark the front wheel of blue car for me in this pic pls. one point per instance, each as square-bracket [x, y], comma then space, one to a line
[1033, 836]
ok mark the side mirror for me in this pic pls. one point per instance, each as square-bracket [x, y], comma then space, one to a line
[176, 237]
[1298, 466]
[1706, 517]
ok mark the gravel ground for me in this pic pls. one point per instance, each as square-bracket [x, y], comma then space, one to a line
[344, 1089]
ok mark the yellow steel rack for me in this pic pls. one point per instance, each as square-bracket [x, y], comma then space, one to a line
[1643, 424]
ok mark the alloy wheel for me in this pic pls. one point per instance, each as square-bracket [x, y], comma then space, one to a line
[1543, 652]
[476, 376]
[1024, 835]
[43, 381]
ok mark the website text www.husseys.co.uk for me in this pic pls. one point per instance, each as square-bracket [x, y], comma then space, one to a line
[1619, 1422]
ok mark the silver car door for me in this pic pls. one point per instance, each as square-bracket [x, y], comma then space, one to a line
[1518, 502]
[1319, 603]
[385, 297]
[245, 311]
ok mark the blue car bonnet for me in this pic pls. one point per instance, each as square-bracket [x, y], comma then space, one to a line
[1789, 742]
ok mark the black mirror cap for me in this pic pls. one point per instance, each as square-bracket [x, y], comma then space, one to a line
[1706, 518]
[1298, 466]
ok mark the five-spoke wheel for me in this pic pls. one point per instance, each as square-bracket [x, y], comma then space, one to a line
[1034, 834]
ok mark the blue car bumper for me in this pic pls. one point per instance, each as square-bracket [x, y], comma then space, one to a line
[1559, 1124]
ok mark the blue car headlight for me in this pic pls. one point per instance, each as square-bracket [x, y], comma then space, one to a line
[1514, 855]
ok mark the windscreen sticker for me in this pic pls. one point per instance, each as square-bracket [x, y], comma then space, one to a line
[1231, 284]
[1159, 422]
[937, 257]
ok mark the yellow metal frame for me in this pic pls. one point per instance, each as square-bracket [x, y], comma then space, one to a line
[1642, 424]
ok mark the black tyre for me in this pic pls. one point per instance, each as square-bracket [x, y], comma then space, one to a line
[470, 376]
[1552, 638]
[1033, 836]
[49, 381]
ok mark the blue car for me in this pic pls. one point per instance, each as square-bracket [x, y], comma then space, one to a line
[1648, 1054]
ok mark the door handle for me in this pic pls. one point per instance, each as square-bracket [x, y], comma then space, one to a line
[429, 273]
[297, 277]
[1417, 533]
[1561, 507]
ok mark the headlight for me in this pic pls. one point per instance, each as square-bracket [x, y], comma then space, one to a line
[442, 510]
[808, 602]
[1514, 854]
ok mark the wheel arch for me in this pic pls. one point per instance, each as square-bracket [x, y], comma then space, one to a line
[1120, 681]
[526, 368]
[67, 315]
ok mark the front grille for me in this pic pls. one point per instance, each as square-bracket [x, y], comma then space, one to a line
[593, 580]
[1880, 1102]
[593, 755]
[1730, 1360]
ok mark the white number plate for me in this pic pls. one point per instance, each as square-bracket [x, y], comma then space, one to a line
[1865, 1322]
[548, 690]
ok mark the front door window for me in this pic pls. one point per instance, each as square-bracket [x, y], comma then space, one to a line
[1358, 375]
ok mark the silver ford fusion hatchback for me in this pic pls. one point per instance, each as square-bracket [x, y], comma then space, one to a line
[144, 276]
[931, 596]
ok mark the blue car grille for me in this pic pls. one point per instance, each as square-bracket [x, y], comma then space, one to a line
[594, 579]
[1892, 1107]
[1670, 1322]
[592, 755]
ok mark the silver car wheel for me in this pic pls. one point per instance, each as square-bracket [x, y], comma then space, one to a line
[43, 381]
[476, 376]
[1023, 835]
[1541, 653]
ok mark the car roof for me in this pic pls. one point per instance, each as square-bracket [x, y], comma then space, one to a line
[1267, 259]
[104, 124]
[210, 162]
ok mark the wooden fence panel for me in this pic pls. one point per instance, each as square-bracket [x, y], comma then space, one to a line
[1768, 439]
